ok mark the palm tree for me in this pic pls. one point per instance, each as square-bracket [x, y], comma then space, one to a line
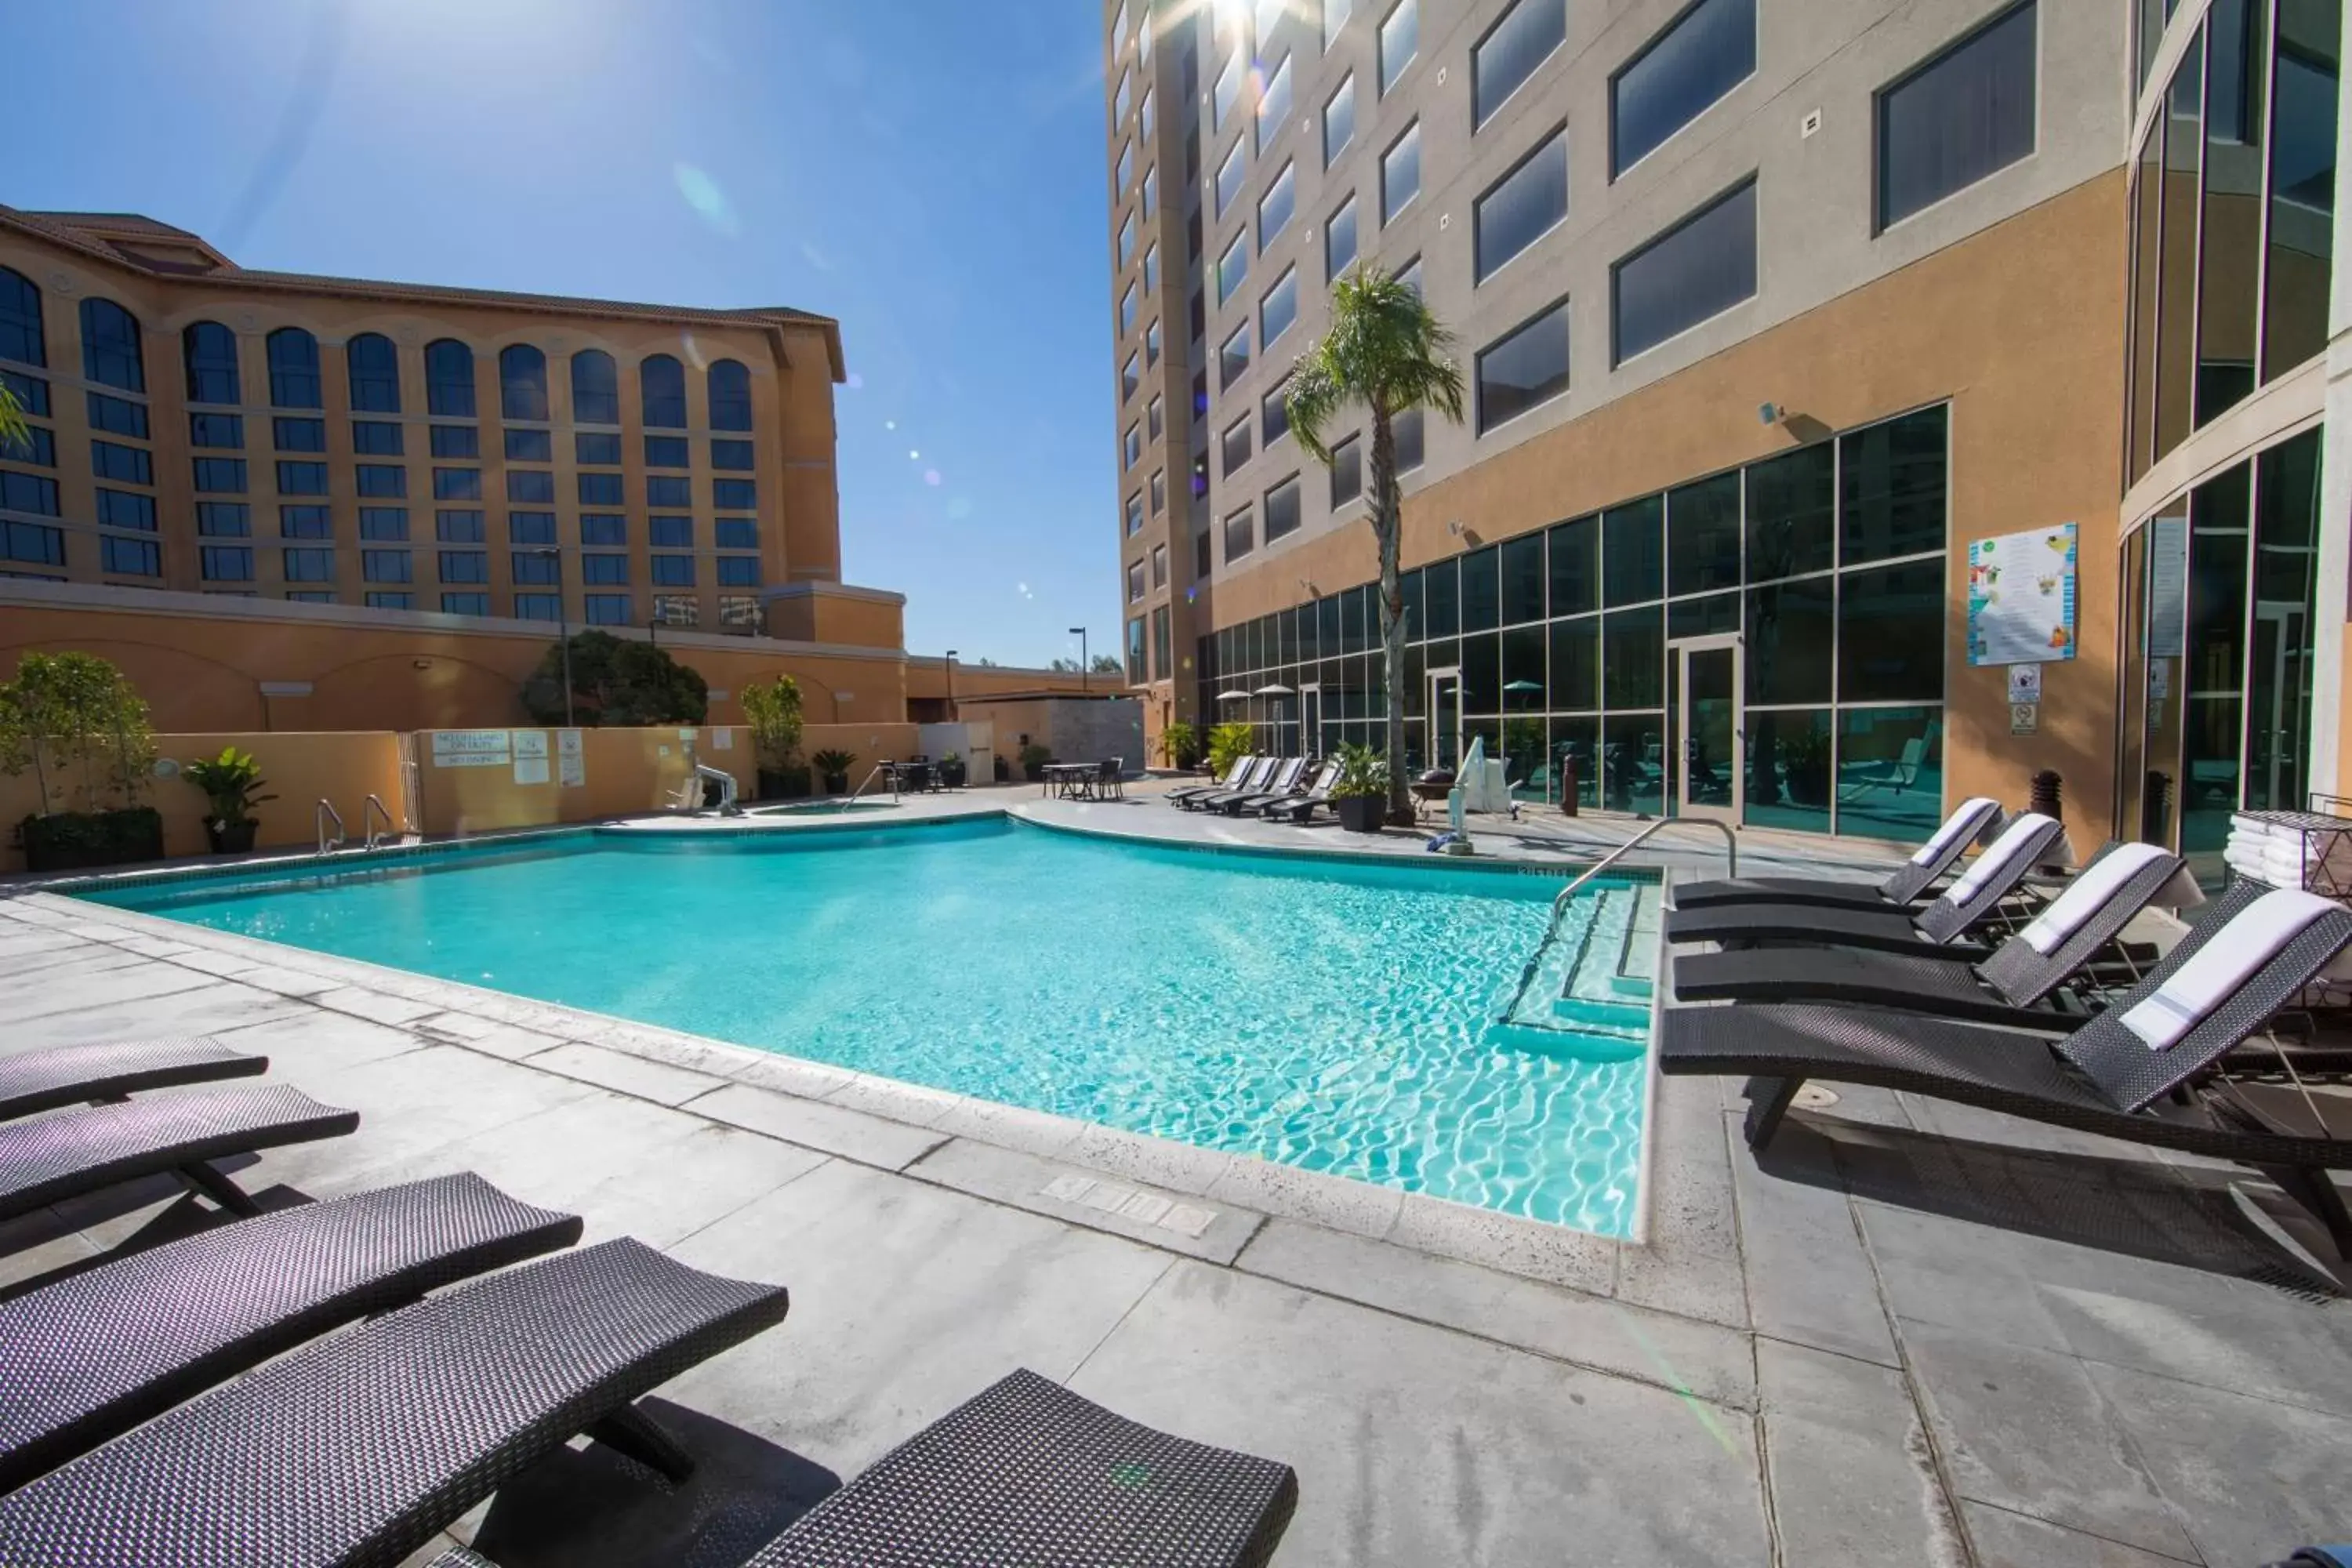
[1387, 351]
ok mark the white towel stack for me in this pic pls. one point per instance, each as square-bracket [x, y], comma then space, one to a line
[2286, 857]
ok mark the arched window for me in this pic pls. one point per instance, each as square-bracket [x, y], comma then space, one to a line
[210, 351]
[110, 346]
[522, 383]
[374, 366]
[294, 370]
[20, 320]
[449, 378]
[664, 393]
[595, 388]
[731, 396]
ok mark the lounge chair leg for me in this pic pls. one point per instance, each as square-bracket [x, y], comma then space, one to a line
[2315, 1191]
[632, 1434]
[199, 1174]
[1768, 1102]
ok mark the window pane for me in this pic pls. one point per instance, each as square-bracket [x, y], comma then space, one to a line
[1632, 657]
[1234, 446]
[1526, 368]
[1791, 513]
[1228, 90]
[1274, 416]
[1482, 675]
[1400, 40]
[1282, 510]
[1229, 178]
[1339, 120]
[1575, 566]
[1686, 275]
[2231, 232]
[1703, 535]
[1894, 488]
[2302, 186]
[1241, 534]
[2177, 291]
[1335, 17]
[1407, 427]
[2220, 519]
[1274, 209]
[449, 378]
[1890, 634]
[1340, 240]
[1704, 615]
[1632, 554]
[1890, 773]
[1280, 309]
[1522, 206]
[1788, 771]
[1233, 355]
[1703, 55]
[1347, 472]
[21, 335]
[1232, 267]
[2280, 680]
[1789, 640]
[2147, 201]
[1274, 103]
[1442, 585]
[1523, 579]
[1957, 119]
[661, 388]
[1511, 52]
[1575, 663]
[1481, 593]
[1400, 171]
[209, 347]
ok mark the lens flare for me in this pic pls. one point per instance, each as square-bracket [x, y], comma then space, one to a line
[931, 477]
[702, 194]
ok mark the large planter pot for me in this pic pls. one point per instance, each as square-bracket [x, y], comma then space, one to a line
[1360, 813]
[231, 837]
[953, 774]
[80, 840]
[836, 784]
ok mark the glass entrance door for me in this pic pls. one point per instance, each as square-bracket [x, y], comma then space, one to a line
[1311, 723]
[1445, 718]
[1713, 772]
[2278, 705]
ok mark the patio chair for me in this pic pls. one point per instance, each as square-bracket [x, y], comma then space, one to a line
[1308, 792]
[59, 1076]
[2116, 1075]
[1110, 782]
[359, 1448]
[1239, 773]
[97, 1353]
[2009, 987]
[1935, 932]
[1249, 781]
[1976, 818]
[72, 1151]
[1286, 777]
[1028, 1472]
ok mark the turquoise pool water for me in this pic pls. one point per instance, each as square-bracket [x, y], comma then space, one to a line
[1335, 1017]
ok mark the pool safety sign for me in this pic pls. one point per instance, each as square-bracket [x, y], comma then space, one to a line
[2021, 597]
[530, 756]
[470, 748]
[571, 760]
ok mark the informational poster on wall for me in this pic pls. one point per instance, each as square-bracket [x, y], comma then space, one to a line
[470, 748]
[2021, 597]
[571, 760]
[530, 756]
[2168, 586]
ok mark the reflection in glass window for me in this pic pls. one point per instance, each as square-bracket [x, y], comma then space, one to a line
[1791, 514]
[1400, 171]
[1699, 269]
[449, 378]
[210, 350]
[1127, 240]
[1233, 355]
[1150, 192]
[729, 385]
[1232, 267]
[2302, 186]
[1958, 118]
[294, 369]
[1273, 208]
[1703, 535]
[1890, 634]
[1122, 99]
[1229, 178]
[595, 388]
[1706, 51]
[1126, 170]
[1524, 368]
[373, 367]
[22, 338]
[1347, 471]
[1129, 378]
[1274, 103]
[1335, 17]
[1632, 551]
[1280, 309]
[1228, 90]
[1407, 429]
[1522, 206]
[529, 446]
[1893, 482]
[1241, 534]
[458, 441]
[2230, 229]
[1400, 41]
[522, 383]
[1340, 240]
[1282, 510]
[1513, 48]
[1791, 635]
[370, 438]
[1233, 447]
[662, 393]
[1339, 118]
[111, 353]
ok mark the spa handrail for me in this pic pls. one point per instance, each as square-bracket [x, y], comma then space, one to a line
[1730, 847]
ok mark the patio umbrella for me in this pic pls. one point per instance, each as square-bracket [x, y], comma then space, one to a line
[1272, 689]
[1523, 685]
[1232, 696]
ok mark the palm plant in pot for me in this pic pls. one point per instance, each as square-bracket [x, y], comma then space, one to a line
[833, 766]
[230, 783]
[1360, 794]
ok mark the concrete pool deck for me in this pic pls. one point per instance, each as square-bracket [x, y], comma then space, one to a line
[1914, 1335]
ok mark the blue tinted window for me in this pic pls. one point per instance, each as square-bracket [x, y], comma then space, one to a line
[304, 521]
[1400, 40]
[1522, 206]
[294, 369]
[735, 453]
[375, 367]
[1401, 172]
[464, 604]
[1229, 178]
[299, 435]
[595, 388]
[1698, 270]
[1273, 208]
[456, 484]
[538, 607]
[1529, 367]
[1340, 240]
[111, 354]
[223, 430]
[603, 527]
[126, 509]
[465, 567]
[605, 570]
[117, 416]
[662, 393]
[1280, 309]
[302, 478]
[36, 444]
[530, 447]
[1233, 356]
[210, 351]
[669, 491]
[310, 565]
[227, 562]
[458, 526]
[376, 438]
[731, 396]
[30, 543]
[131, 557]
[1232, 267]
[734, 495]
[220, 476]
[32, 393]
[535, 568]
[596, 447]
[384, 565]
[522, 383]
[1706, 52]
[1958, 118]
[456, 441]
[1339, 120]
[606, 609]
[21, 335]
[739, 571]
[668, 452]
[672, 571]
[383, 482]
[666, 533]
[123, 465]
[531, 527]
[1511, 52]
[530, 485]
[390, 523]
[737, 533]
[600, 490]
[224, 519]
[391, 601]
[27, 492]
[449, 379]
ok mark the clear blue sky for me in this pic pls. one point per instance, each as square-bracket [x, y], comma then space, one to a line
[930, 172]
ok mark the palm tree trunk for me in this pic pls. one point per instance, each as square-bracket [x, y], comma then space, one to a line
[1387, 525]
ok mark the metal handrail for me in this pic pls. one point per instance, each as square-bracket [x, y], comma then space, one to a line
[320, 819]
[372, 808]
[1730, 845]
[860, 790]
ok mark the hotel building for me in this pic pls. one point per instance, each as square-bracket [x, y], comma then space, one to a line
[1772, 319]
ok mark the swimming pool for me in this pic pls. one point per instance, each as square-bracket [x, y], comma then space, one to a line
[1339, 1016]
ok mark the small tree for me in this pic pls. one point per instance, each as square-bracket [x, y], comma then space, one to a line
[774, 713]
[80, 724]
[1065, 666]
[1180, 743]
[617, 683]
[1106, 664]
[1387, 351]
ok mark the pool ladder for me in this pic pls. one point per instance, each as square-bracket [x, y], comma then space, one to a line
[860, 790]
[371, 811]
[1731, 849]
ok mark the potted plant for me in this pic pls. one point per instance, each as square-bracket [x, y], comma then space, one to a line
[1034, 759]
[773, 711]
[833, 766]
[1805, 766]
[1179, 746]
[953, 769]
[229, 781]
[81, 728]
[1360, 794]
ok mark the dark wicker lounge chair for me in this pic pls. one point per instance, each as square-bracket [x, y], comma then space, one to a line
[1976, 819]
[73, 1151]
[1933, 931]
[358, 1449]
[2009, 987]
[2113, 1076]
[1245, 773]
[1279, 774]
[1028, 1472]
[47, 1079]
[1287, 780]
[94, 1354]
[1309, 790]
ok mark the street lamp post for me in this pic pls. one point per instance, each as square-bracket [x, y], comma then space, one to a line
[952, 707]
[1080, 633]
[562, 626]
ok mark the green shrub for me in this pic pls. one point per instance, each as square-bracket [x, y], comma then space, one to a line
[1228, 743]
